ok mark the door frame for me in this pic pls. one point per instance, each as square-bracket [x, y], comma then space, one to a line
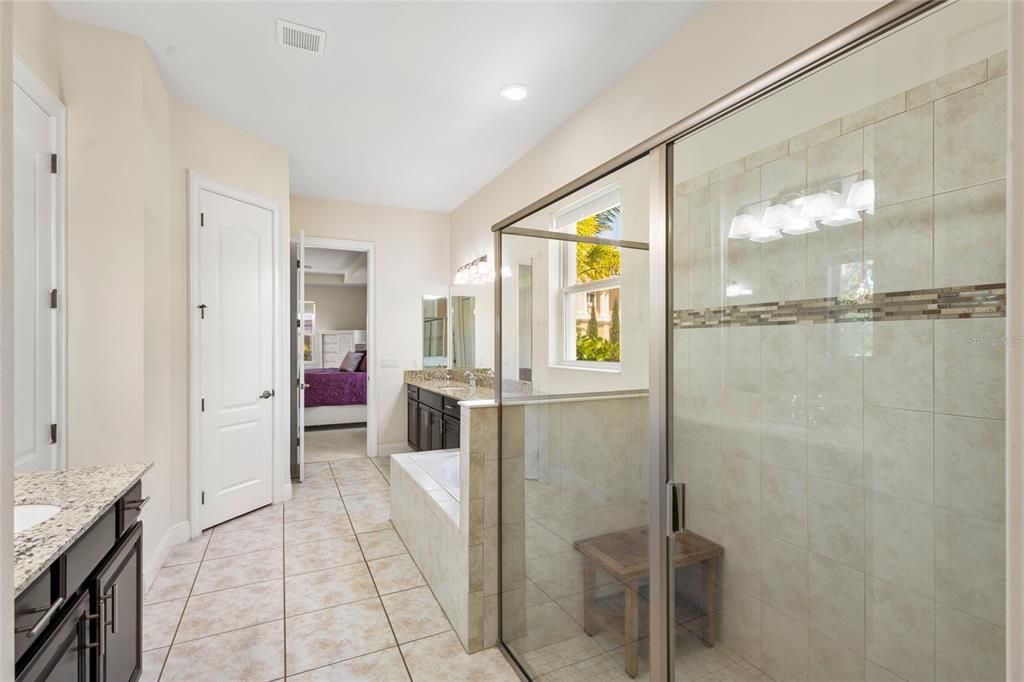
[281, 478]
[40, 93]
[369, 248]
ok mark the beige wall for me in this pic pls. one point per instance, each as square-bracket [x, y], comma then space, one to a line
[411, 260]
[201, 143]
[338, 307]
[129, 146]
[35, 41]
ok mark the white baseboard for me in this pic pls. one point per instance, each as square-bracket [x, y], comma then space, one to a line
[285, 493]
[175, 535]
[388, 449]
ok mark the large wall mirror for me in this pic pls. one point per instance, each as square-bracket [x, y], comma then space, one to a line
[435, 330]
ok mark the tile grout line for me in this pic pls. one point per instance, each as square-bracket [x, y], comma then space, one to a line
[373, 579]
[181, 616]
[284, 602]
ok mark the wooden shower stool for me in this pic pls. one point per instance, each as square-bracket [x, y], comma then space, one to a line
[623, 555]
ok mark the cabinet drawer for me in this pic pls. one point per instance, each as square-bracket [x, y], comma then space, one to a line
[433, 400]
[414, 392]
[132, 504]
[30, 606]
[86, 554]
[451, 408]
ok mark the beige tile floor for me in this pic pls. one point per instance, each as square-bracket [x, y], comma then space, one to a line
[323, 445]
[320, 588]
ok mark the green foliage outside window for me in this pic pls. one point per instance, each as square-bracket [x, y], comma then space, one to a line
[595, 262]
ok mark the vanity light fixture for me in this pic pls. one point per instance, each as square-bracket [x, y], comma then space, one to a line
[819, 206]
[775, 216]
[862, 196]
[765, 234]
[743, 225]
[477, 271]
[515, 92]
[735, 289]
[842, 216]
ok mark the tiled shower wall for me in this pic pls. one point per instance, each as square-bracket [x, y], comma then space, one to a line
[853, 470]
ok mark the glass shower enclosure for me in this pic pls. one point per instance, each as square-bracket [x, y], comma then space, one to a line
[752, 378]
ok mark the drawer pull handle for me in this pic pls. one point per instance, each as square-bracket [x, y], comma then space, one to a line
[136, 504]
[33, 630]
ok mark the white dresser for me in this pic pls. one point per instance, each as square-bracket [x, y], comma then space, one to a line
[334, 344]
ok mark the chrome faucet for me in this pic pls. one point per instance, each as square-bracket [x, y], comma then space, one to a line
[471, 378]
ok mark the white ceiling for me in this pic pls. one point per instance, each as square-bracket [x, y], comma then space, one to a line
[402, 109]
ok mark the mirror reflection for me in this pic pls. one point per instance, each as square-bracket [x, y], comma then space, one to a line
[435, 330]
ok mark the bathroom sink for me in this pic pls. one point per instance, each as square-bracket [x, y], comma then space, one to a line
[28, 515]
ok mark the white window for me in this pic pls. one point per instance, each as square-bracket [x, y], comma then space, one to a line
[590, 282]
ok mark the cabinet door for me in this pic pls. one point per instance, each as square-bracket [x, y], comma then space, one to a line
[451, 433]
[116, 593]
[412, 423]
[64, 655]
[436, 430]
[423, 432]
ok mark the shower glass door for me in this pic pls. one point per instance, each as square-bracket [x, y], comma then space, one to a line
[838, 270]
[575, 341]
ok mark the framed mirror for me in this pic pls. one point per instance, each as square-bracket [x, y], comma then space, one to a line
[435, 330]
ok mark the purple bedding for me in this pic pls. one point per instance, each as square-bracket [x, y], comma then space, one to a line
[334, 387]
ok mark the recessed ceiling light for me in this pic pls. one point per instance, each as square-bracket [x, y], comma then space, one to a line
[515, 92]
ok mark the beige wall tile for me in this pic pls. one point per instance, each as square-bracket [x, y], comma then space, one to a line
[835, 159]
[706, 288]
[815, 136]
[741, 425]
[836, 521]
[898, 372]
[768, 154]
[828, 660]
[972, 74]
[968, 648]
[969, 565]
[901, 543]
[707, 358]
[741, 489]
[784, 581]
[784, 504]
[701, 221]
[970, 136]
[900, 631]
[837, 602]
[890, 106]
[784, 432]
[970, 235]
[970, 466]
[783, 269]
[970, 367]
[743, 266]
[786, 176]
[783, 645]
[741, 566]
[741, 625]
[743, 359]
[835, 442]
[784, 360]
[898, 245]
[831, 254]
[835, 362]
[727, 171]
[899, 453]
[997, 65]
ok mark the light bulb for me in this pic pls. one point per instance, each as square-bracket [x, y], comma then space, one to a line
[775, 216]
[818, 206]
[842, 216]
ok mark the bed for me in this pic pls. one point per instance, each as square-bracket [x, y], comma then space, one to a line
[334, 397]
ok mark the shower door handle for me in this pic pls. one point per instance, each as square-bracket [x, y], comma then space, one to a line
[675, 507]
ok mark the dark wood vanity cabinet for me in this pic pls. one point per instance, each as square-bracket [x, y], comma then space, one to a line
[433, 420]
[86, 608]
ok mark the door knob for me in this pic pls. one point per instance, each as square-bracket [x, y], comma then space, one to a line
[267, 394]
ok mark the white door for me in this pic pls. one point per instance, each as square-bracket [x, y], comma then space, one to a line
[300, 359]
[35, 341]
[236, 288]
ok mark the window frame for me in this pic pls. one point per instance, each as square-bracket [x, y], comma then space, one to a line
[600, 200]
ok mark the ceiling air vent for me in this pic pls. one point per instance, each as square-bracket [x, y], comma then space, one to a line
[300, 37]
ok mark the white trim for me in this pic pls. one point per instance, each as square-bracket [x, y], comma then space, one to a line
[281, 478]
[37, 90]
[388, 449]
[369, 248]
[175, 535]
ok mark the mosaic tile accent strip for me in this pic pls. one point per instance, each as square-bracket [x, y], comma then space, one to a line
[972, 301]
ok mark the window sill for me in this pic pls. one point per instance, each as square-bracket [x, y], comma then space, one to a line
[600, 368]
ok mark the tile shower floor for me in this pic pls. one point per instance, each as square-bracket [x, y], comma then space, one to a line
[319, 588]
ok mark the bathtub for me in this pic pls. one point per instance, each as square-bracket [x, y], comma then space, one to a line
[444, 467]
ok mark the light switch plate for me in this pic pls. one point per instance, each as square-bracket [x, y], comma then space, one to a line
[388, 363]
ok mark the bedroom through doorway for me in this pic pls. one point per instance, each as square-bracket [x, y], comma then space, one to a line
[331, 408]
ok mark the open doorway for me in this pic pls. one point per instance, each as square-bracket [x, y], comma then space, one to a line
[333, 415]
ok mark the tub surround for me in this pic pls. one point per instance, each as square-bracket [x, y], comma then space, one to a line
[83, 495]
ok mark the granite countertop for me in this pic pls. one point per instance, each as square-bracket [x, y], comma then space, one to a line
[453, 389]
[82, 494]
